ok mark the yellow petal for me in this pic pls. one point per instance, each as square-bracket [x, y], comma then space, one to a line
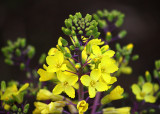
[113, 79]
[58, 89]
[25, 86]
[109, 53]
[135, 89]
[52, 51]
[44, 94]
[85, 80]
[72, 80]
[106, 77]
[92, 92]
[95, 74]
[96, 50]
[70, 91]
[150, 99]
[100, 86]
[147, 87]
[51, 60]
[45, 76]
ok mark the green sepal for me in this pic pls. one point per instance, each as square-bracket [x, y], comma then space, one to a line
[14, 108]
[42, 58]
[18, 52]
[122, 34]
[26, 108]
[68, 55]
[3, 86]
[22, 66]
[9, 61]
[31, 51]
[135, 57]
[148, 76]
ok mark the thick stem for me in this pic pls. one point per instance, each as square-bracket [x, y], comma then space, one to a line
[96, 100]
[80, 92]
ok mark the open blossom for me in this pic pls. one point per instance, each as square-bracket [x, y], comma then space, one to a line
[82, 106]
[66, 84]
[92, 83]
[144, 94]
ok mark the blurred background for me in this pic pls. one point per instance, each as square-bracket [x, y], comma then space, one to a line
[40, 22]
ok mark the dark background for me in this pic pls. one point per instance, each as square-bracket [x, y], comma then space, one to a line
[40, 21]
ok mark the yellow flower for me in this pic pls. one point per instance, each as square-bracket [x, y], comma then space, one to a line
[12, 90]
[115, 94]
[45, 76]
[45, 94]
[52, 51]
[93, 83]
[98, 53]
[66, 84]
[112, 110]
[53, 107]
[144, 94]
[82, 106]
[129, 46]
[56, 62]
[7, 107]
[106, 67]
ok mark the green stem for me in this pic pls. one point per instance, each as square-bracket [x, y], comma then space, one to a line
[80, 92]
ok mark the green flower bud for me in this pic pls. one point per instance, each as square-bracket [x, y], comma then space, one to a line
[89, 33]
[118, 47]
[42, 58]
[118, 55]
[26, 108]
[68, 23]
[64, 42]
[148, 76]
[155, 73]
[3, 86]
[110, 17]
[152, 110]
[77, 44]
[14, 108]
[122, 34]
[126, 70]
[157, 64]
[66, 31]
[100, 13]
[135, 57]
[102, 23]
[18, 52]
[31, 51]
[72, 47]
[95, 16]
[81, 48]
[19, 109]
[73, 33]
[88, 17]
[22, 66]
[141, 80]
[23, 42]
[8, 61]
[80, 32]
[119, 22]
[108, 36]
[9, 43]
[68, 55]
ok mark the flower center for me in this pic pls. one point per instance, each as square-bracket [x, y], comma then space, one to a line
[66, 83]
[92, 83]
[102, 70]
[142, 94]
[58, 65]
